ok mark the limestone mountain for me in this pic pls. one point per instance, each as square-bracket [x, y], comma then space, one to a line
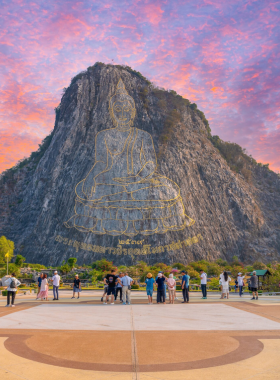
[131, 172]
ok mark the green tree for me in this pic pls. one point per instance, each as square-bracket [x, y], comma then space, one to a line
[194, 275]
[221, 262]
[235, 270]
[259, 265]
[19, 261]
[235, 260]
[103, 265]
[271, 283]
[65, 268]
[6, 249]
[179, 266]
[13, 268]
[213, 269]
[199, 265]
[95, 275]
[249, 268]
[214, 283]
[71, 262]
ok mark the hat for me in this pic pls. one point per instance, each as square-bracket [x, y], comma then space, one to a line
[149, 275]
[55, 271]
[183, 271]
[160, 274]
[76, 275]
[239, 273]
[161, 271]
[171, 275]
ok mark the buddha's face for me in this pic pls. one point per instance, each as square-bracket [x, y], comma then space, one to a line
[123, 112]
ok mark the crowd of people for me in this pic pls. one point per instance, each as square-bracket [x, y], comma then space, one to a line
[120, 285]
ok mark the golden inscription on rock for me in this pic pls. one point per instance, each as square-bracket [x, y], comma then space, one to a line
[146, 249]
[123, 193]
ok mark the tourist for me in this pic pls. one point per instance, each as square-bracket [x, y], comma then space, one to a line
[112, 280]
[160, 288]
[44, 290]
[40, 278]
[12, 283]
[76, 286]
[225, 279]
[150, 281]
[240, 280]
[56, 281]
[203, 284]
[105, 289]
[171, 283]
[119, 288]
[185, 286]
[126, 282]
[175, 294]
[235, 286]
[164, 283]
[254, 286]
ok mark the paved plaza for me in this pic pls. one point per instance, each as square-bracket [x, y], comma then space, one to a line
[84, 339]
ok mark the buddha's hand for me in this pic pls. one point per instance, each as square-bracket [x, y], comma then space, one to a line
[127, 180]
[88, 189]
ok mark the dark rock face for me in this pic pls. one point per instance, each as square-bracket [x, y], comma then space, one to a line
[231, 216]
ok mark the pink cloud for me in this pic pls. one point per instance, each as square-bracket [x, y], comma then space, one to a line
[223, 56]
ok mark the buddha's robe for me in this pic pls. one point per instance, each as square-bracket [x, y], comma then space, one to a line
[128, 196]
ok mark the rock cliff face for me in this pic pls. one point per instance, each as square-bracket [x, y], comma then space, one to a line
[181, 202]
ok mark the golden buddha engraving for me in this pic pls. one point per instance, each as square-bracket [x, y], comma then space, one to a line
[123, 193]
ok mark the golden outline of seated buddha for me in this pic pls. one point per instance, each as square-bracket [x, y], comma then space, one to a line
[122, 193]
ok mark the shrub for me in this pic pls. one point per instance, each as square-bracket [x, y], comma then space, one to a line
[259, 265]
[19, 260]
[103, 265]
[135, 286]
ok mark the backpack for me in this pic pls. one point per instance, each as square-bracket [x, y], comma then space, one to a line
[13, 284]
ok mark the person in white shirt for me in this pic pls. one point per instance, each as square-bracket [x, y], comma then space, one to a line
[240, 280]
[12, 283]
[56, 281]
[203, 283]
[225, 280]
[126, 282]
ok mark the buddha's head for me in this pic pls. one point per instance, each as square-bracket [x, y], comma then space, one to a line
[122, 107]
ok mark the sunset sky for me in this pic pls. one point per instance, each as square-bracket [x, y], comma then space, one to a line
[222, 55]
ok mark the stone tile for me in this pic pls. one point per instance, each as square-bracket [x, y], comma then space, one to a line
[146, 318]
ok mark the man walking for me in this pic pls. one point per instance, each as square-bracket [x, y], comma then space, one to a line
[56, 281]
[40, 278]
[185, 286]
[254, 286]
[126, 287]
[240, 280]
[203, 283]
[112, 280]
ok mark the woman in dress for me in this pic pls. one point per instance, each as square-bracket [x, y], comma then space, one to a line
[44, 290]
[76, 286]
[225, 280]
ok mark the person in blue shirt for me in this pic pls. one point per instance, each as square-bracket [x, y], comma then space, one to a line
[39, 280]
[150, 287]
[185, 286]
[160, 288]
